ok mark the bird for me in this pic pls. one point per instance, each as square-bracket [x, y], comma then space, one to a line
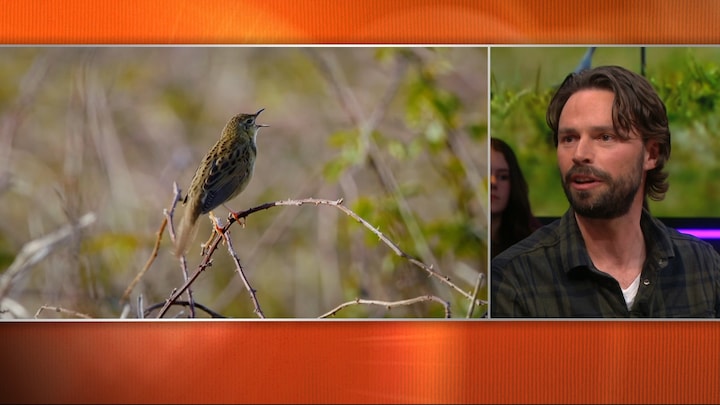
[223, 173]
[586, 61]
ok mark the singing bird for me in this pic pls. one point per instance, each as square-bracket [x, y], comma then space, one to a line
[224, 172]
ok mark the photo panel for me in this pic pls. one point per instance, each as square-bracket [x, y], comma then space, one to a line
[356, 174]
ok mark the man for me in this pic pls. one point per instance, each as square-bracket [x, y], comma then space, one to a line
[607, 256]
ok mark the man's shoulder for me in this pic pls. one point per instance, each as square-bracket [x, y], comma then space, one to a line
[683, 243]
[685, 240]
[536, 244]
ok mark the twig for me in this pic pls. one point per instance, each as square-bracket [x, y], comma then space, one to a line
[200, 306]
[333, 203]
[62, 310]
[178, 291]
[168, 215]
[240, 271]
[390, 304]
[478, 284]
[177, 196]
[140, 312]
[394, 247]
[148, 263]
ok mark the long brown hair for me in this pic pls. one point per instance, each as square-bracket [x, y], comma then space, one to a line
[518, 220]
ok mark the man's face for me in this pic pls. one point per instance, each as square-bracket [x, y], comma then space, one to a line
[602, 173]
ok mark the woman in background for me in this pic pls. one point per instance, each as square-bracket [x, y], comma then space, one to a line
[511, 216]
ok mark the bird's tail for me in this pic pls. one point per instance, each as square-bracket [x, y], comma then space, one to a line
[187, 230]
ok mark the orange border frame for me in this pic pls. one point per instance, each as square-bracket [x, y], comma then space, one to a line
[361, 361]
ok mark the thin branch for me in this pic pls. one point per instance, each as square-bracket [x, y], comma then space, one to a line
[148, 263]
[153, 255]
[177, 196]
[208, 252]
[200, 306]
[479, 283]
[62, 310]
[140, 304]
[177, 292]
[239, 269]
[315, 201]
[394, 247]
[390, 304]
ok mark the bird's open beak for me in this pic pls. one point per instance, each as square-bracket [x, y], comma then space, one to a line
[258, 113]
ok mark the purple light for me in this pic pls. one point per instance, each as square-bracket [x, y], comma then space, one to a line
[702, 233]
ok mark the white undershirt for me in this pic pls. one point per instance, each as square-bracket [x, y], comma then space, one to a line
[630, 292]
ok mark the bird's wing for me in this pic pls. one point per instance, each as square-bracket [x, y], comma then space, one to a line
[222, 183]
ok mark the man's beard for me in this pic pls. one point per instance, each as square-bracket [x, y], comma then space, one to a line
[613, 202]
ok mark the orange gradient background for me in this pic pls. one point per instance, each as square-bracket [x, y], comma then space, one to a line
[360, 361]
[369, 21]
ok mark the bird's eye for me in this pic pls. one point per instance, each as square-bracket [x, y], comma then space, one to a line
[249, 121]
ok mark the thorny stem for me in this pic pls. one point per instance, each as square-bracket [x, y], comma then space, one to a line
[233, 217]
[240, 271]
[389, 304]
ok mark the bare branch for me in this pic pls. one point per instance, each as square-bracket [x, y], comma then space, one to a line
[480, 282]
[148, 263]
[200, 306]
[177, 196]
[390, 304]
[156, 248]
[239, 269]
[232, 218]
[177, 292]
[62, 310]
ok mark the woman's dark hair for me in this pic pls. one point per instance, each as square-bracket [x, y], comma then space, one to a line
[637, 106]
[518, 220]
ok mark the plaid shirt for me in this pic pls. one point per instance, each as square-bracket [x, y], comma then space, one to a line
[550, 275]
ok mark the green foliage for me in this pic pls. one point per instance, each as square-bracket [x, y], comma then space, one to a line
[433, 114]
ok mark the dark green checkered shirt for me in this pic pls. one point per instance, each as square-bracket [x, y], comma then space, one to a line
[550, 275]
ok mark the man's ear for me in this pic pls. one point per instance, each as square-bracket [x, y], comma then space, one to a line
[652, 151]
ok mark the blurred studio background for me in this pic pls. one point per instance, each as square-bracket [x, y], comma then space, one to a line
[92, 140]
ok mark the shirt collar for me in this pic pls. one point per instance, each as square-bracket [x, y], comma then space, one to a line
[654, 232]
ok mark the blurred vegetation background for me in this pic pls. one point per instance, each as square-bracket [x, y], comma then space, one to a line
[399, 133]
[686, 78]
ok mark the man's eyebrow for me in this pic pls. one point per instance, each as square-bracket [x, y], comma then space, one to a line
[598, 128]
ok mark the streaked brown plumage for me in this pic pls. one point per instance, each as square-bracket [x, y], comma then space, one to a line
[224, 172]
